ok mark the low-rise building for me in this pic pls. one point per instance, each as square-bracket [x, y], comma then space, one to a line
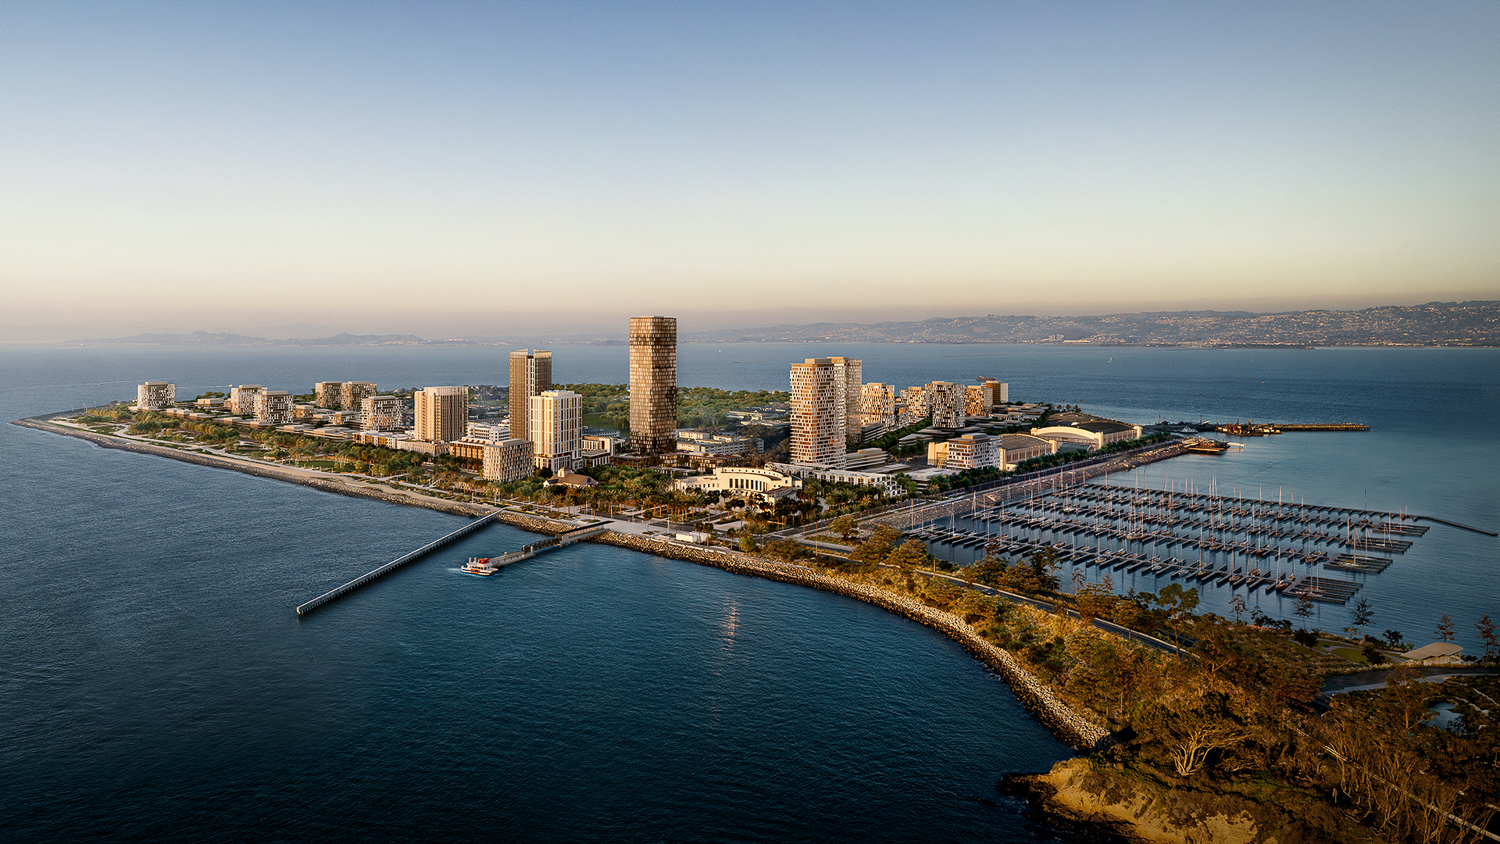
[885, 481]
[155, 395]
[701, 442]
[1018, 448]
[969, 451]
[764, 485]
[1094, 434]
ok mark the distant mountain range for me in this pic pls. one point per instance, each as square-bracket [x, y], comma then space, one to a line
[1433, 324]
[203, 338]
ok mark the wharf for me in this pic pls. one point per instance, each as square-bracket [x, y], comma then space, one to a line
[488, 566]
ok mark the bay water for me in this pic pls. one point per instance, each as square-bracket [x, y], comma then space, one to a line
[155, 681]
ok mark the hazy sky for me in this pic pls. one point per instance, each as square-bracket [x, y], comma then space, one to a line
[475, 169]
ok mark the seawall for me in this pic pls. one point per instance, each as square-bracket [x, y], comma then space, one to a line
[326, 484]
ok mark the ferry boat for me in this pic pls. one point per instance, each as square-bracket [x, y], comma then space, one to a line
[479, 566]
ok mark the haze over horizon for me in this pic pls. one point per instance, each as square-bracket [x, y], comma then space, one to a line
[468, 170]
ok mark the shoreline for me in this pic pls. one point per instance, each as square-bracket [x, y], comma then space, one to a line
[1059, 719]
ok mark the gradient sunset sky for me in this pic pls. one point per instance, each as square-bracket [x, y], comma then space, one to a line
[478, 169]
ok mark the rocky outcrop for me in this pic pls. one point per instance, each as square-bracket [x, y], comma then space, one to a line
[1087, 792]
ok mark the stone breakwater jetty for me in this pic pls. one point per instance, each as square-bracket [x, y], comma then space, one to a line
[1037, 697]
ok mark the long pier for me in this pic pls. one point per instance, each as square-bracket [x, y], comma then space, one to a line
[397, 563]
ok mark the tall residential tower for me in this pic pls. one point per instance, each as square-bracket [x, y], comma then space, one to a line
[530, 375]
[653, 383]
[819, 411]
[442, 413]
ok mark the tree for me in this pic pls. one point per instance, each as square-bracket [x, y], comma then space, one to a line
[1238, 606]
[1363, 615]
[1304, 608]
[1486, 629]
[1178, 604]
[1445, 629]
[1394, 638]
[909, 554]
[845, 527]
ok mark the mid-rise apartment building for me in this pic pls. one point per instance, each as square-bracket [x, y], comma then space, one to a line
[653, 383]
[442, 413]
[381, 413]
[242, 399]
[915, 401]
[945, 404]
[328, 394]
[273, 407]
[507, 460]
[353, 393]
[530, 375]
[556, 429]
[155, 395]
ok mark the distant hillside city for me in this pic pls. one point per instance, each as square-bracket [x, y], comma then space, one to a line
[1433, 324]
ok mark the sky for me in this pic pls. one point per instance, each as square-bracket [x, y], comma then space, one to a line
[478, 169]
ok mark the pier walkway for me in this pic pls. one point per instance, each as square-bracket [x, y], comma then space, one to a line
[386, 569]
[489, 566]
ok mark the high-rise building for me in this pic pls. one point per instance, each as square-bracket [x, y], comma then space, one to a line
[155, 395]
[530, 375]
[653, 383]
[850, 371]
[242, 399]
[352, 393]
[273, 407]
[329, 394]
[819, 414]
[945, 402]
[381, 413]
[442, 413]
[556, 429]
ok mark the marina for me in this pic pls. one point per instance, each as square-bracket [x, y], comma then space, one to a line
[1214, 540]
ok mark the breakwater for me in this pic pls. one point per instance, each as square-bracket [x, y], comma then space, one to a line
[296, 476]
[1057, 716]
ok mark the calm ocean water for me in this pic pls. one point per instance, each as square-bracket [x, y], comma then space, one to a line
[155, 681]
